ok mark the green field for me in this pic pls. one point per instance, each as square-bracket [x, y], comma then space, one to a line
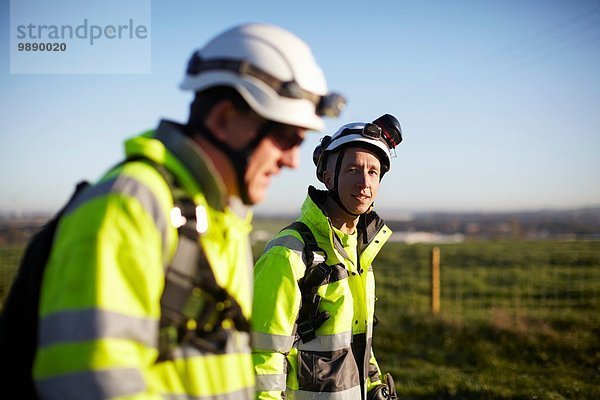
[518, 320]
[9, 260]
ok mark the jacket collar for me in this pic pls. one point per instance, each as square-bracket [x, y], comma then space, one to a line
[195, 160]
[368, 224]
[314, 211]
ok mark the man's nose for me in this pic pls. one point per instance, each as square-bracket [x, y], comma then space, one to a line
[363, 179]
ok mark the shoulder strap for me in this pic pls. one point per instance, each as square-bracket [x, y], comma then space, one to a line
[310, 243]
[193, 304]
[311, 251]
[316, 274]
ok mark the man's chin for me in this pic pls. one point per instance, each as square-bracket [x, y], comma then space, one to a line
[255, 197]
[361, 210]
[361, 207]
[358, 210]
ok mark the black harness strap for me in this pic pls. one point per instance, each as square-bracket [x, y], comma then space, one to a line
[309, 318]
[193, 305]
[310, 243]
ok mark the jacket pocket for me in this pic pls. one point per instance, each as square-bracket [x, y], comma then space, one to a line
[327, 371]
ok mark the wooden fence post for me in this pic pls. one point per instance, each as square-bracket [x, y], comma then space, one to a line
[435, 280]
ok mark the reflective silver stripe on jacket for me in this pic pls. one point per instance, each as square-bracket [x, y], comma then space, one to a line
[327, 342]
[129, 186]
[349, 394]
[289, 241]
[280, 343]
[242, 394]
[82, 325]
[269, 382]
[104, 384]
[369, 331]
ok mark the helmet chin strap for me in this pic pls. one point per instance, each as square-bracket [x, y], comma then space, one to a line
[239, 158]
[334, 195]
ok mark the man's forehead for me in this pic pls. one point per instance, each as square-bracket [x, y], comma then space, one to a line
[353, 154]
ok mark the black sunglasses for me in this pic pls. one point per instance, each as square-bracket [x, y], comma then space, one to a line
[284, 139]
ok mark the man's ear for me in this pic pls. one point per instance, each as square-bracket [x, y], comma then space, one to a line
[328, 179]
[220, 119]
[328, 174]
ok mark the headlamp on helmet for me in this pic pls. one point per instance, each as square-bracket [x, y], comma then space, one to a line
[331, 105]
[391, 131]
[385, 129]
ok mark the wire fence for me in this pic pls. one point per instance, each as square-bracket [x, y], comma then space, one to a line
[541, 279]
[476, 279]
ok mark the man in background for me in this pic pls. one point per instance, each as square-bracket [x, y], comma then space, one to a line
[314, 288]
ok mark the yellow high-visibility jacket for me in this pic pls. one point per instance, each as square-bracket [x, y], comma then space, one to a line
[100, 299]
[339, 363]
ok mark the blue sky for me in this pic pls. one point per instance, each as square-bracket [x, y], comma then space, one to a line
[499, 100]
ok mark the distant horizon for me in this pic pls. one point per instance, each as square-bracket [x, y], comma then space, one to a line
[395, 213]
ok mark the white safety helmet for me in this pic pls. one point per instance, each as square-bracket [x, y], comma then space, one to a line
[272, 69]
[382, 136]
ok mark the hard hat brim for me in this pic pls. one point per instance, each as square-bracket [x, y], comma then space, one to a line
[261, 98]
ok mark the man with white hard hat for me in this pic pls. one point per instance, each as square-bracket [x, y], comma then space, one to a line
[148, 290]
